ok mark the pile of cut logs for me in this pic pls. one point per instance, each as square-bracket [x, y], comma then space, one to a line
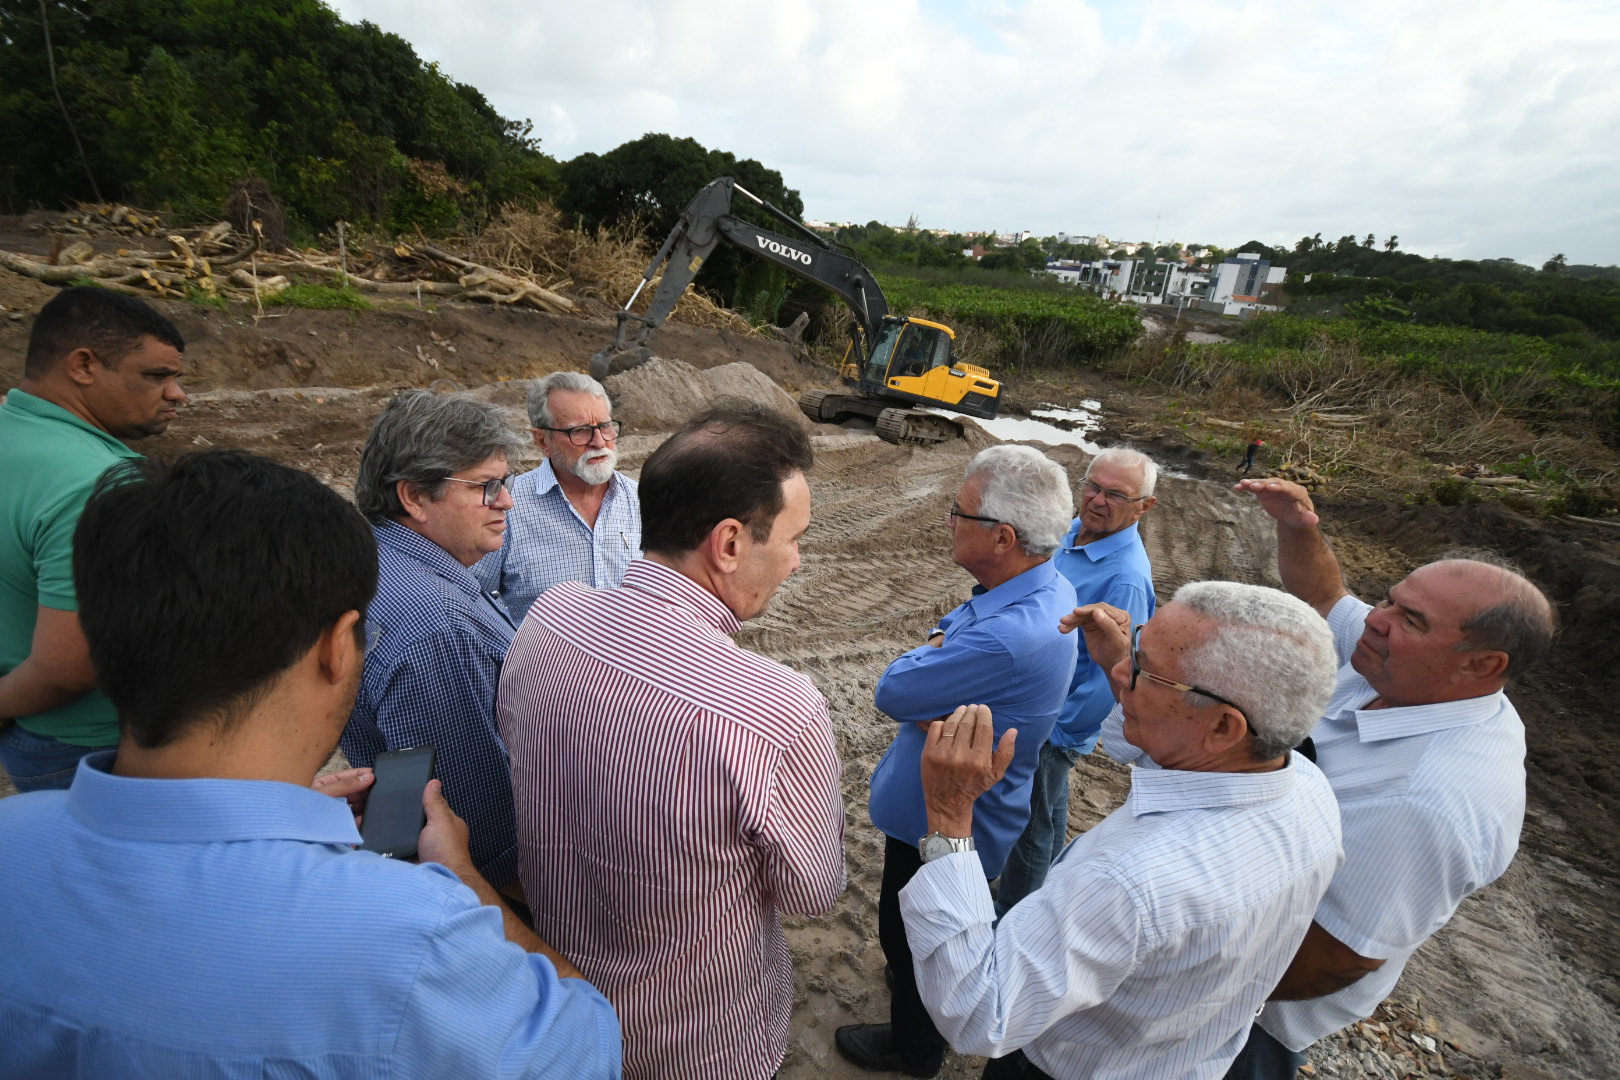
[216, 261]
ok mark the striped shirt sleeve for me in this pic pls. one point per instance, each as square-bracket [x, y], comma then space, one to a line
[804, 826]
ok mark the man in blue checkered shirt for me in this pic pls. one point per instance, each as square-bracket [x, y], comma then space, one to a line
[574, 518]
[434, 482]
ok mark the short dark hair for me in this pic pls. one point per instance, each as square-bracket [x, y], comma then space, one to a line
[201, 581]
[85, 316]
[424, 437]
[727, 462]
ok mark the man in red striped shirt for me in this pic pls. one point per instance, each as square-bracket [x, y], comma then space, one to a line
[675, 792]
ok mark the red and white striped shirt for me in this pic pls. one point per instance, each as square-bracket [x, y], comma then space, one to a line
[674, 792]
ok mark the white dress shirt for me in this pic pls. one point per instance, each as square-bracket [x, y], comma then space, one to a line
[1431, 799]
[1156, 936]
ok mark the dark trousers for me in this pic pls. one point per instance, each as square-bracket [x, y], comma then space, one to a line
[1264, 1058]
[1015, 1066]
[915, 1036]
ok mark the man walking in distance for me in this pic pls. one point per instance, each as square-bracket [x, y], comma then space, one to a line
[102, 368]
[677, 793]
[1001, 648]
[574, 518]
[191, 907]
[1103, 558]
[1426, 757]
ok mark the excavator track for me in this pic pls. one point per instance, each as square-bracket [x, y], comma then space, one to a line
[811, 403]
[915, 427]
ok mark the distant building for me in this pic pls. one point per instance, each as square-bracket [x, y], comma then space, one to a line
[1239, 285]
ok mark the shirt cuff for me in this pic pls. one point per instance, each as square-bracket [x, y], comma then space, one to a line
[944, 897]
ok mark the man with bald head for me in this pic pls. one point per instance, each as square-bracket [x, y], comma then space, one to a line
[1426, 757]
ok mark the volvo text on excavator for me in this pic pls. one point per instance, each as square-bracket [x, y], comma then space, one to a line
[893, 362]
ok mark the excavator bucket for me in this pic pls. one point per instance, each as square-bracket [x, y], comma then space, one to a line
[617, 358]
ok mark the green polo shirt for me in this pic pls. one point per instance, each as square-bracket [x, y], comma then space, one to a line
[50, 460]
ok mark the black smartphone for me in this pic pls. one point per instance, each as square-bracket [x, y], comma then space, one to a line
[393, 817]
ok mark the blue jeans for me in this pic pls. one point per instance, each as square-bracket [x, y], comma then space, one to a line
[1264, 1058]
[1047, 831]
[39, 762]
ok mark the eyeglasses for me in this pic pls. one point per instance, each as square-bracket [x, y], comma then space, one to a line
[581, 435]
[956, 513]
[1118, 498]
[492, 488]
[1136, 669]
[373, 635]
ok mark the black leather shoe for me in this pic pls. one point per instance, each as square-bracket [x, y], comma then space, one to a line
[871, 1046]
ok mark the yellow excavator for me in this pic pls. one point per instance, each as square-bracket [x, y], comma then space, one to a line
[893, 363]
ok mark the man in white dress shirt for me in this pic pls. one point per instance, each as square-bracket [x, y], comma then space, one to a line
[1159, 932]
[1426, 757]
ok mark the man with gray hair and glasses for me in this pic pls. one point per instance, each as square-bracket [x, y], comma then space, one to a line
[1426, 757]
[1161, 929]
[1103, 558]
[1001, 648]
[574, 518]
[434, 484]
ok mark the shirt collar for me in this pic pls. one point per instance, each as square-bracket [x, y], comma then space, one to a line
[30, 405]
[675, 587]
[1397, 722]
[409, 542]
[986, 602]
[204, 810]
[1098, 550]
[1156, 790]
[543, 478]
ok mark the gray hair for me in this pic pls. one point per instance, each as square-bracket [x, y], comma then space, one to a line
[1521, 622]
[1027, 490]
[423, 437]
[1126, 458]
[1271, 653]
[540, 394]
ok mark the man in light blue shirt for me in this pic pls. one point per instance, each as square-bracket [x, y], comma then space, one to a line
[1426, 757]
[1103, 558]
[220, 922]
[1161, 929]
[574, 518]
[1002, 648]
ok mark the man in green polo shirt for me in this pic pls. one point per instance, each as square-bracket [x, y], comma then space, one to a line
[102, 368]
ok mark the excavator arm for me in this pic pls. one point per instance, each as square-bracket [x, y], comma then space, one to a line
[706, 221]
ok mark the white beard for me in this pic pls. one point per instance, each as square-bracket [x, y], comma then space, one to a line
[595, 473]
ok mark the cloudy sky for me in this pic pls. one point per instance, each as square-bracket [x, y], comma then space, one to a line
[1470, 128]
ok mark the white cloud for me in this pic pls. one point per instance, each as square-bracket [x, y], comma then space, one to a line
[1472, 129]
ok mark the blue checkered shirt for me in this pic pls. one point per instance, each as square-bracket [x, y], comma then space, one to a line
[547, 542]
[429, 680]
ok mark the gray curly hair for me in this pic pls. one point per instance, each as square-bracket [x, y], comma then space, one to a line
[1271, 654]
[423, 437]
[1027, 490]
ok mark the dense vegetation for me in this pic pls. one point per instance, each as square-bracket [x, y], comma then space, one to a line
[174, 104]
[1576, 307]
[1056, 327]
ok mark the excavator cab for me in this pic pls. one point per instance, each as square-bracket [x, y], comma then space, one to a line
[911, 360]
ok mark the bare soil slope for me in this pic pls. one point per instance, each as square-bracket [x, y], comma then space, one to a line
[1526, 978]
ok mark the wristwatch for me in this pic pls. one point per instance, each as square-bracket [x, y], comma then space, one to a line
[937, 845]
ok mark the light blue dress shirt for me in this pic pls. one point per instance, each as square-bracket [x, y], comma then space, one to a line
[547, 542]
[1114, 570]
[1432, 800]
[1002, 649]
[226, 929]
[429, 680]
[1155, 937]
